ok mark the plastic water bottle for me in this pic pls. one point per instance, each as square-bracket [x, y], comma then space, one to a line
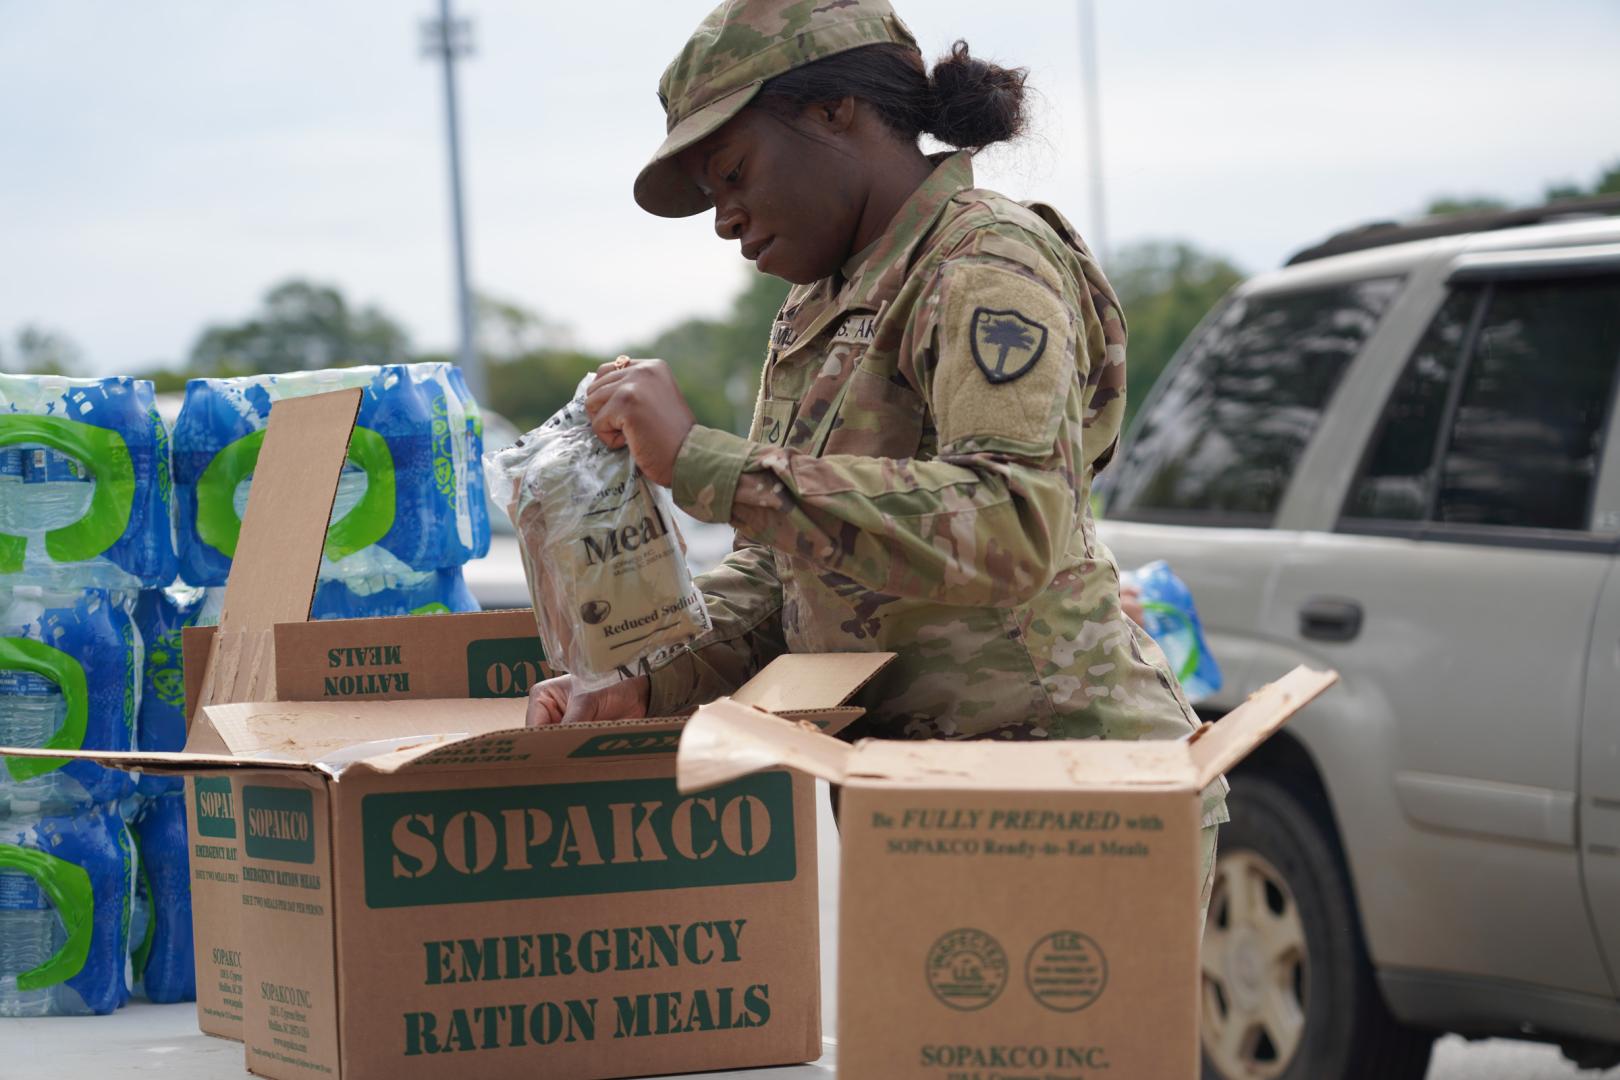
[404, 501]
[64, 909]
[69, 678]
[213, 605]
[430, 592]
[477, 490]
[161, 616]
[1171, 619]
[12, 514]
[163, 957]
[56, 488]
[84, 471]
[30, 932]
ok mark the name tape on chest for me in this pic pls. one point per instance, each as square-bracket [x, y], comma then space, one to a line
[857, 330]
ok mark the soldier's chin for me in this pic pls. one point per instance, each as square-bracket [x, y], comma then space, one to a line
[778, 261]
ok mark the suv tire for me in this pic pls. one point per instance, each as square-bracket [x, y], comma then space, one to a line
[1288, 992]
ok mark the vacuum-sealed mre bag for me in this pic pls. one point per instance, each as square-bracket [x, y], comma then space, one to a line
[605, 562]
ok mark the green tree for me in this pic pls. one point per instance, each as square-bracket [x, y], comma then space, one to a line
[1166, 288]
[506, 329]
[300, 325]
[36, 350]
[717, 361]
[1607, 182]
[1463, 204]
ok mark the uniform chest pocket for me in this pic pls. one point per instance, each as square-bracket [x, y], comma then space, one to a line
[877, 417]
[771, 419]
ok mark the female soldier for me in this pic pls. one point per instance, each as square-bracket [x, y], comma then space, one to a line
[941, 386]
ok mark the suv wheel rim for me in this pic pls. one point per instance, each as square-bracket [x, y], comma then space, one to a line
[1255, 970]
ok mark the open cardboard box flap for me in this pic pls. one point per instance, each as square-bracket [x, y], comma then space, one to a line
[729, 739]
[390, 736]
[278, 550]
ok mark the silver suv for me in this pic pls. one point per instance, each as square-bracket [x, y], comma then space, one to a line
[1403, 462]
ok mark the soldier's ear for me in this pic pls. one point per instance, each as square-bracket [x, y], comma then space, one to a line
[833, 117]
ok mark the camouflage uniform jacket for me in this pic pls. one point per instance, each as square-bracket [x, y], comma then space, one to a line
[918, 479]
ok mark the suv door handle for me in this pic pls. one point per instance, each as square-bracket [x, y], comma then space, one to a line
[1324, 618]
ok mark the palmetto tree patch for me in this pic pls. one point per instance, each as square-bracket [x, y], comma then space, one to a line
[1006, 344]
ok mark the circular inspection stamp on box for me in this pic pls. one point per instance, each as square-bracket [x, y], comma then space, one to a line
[967, 969]
[1066, 971]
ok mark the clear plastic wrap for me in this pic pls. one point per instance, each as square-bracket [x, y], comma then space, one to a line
[605, 562]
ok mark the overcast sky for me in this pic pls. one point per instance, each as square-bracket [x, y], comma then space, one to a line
[162, 163]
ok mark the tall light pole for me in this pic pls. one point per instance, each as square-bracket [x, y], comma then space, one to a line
[1093, 103]
[447, 39]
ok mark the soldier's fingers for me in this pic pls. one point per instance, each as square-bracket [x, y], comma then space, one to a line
[617, 364]
[601, 390]
[547, 702]
[609, 428]
[580, 709]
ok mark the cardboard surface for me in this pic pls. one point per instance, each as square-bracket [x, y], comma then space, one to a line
[272, 581]
[1010, 909]
[386, 659]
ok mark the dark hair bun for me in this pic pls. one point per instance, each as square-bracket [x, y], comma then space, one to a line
[976, 103]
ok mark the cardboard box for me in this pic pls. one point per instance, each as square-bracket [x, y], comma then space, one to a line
[285, 556]
[1010, 909]
[480, 654]
[512, 902]
[424, 887]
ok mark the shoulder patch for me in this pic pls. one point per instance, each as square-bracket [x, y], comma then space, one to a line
[1005, 344]
[1004, 356]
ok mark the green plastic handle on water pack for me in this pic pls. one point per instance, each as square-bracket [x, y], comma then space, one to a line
[26, 654]
[143, 951]
[1193, 652]
[69, 889]
[105, 454]
[364, 525]
[434, 608]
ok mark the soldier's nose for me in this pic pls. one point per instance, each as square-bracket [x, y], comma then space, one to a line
[729, 223]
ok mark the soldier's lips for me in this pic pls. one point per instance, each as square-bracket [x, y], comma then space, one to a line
[756, 253]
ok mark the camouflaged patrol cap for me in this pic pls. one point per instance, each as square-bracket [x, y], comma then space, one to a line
[741, 45]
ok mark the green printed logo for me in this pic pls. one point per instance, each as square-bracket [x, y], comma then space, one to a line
[132, 675]
[279, 824]
[444, 467]
[216, 811]
[164, 670]
[630, 744]
[520, 843]
[503, 667]
[160, 437]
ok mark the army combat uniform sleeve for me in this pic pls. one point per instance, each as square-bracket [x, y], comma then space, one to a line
[744, 597]
[990, 345]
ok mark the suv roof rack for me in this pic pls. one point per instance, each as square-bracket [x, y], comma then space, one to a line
[1381, 233]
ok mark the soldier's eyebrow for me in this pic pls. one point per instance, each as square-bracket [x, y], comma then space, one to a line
[710, 156]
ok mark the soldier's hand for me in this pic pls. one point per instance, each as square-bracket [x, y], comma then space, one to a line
[636, 403]
[555, 702]
[1130, 599]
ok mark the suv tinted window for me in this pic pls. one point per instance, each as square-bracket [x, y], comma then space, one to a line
[1525, 444]
[1397, 482]
[1523, 432]
[1224, 434]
